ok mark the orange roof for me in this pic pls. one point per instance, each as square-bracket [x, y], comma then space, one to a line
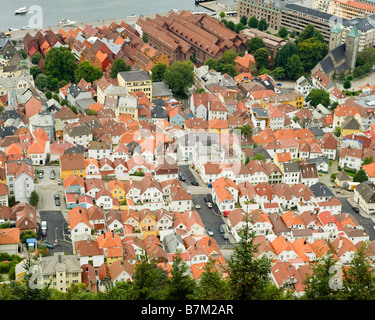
[41, 134]
[245, 61]
[9, 236]
[217, 124]
[370, 169]
[88, 161]
[284, 157]
[261, 94]
[96, 106]
[78, 215]
[72, 179]
[38, 147]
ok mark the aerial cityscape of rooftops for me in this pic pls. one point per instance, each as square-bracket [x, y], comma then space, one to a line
[159, 155]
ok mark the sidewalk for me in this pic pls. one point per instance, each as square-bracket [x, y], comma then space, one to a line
[361, 212]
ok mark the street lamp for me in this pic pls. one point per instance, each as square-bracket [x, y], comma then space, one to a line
[56, 235]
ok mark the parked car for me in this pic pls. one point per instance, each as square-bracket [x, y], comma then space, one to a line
[56, 196]
[52, 175]
[59, 181]
[197, 206]
[195, 183]
[206, 199]
[225, 236]
[47, 244]
[210, 232]
[181, 176]
[209, 204]
[41, 174]
[221, 229]
[356, 209]
[57, 202]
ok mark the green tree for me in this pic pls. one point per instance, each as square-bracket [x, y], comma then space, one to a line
[259, 156]
[35, 71]
[254, 44]
[262, 25]
[28, 234]
[367, 160]
[310, 32]
[158, 72]
[248, 276]
[41, 81]
[228, 57]
[212, 64]
[56, 97]
[360, 176]
[150, 281]
[359, 278]
[88, 72]
[212, 286]
[60, 63]
[294, 67]
[283, 32]
[36, 58]
[144, 37]
[317, 96]
[243, 20]
[284, 53]
[342, 76]
[62, 83]
[179, 76]
[293, 34]
[34, 198]
[119, 65]
[48, 94]
[91, 112]
[230, 25]
[366, 55]
[347, 84]
[246, 130]
[320, 284]
[279, 73]
[229, 69]
[261, 57]
[311, 51]
[222, 14]
[337, 131]
[253, 22]
[181, 285]
[23, 53]
[238, 27]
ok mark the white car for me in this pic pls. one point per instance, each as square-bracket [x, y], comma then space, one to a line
[209, 204]
[197, 206]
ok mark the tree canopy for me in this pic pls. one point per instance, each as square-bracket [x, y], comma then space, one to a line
[88, 72]
[60, 63]
[119, 65]
[179, 77]
[317, 96]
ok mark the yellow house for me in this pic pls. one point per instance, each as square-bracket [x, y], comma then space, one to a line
[218, 126]
[72, 164]
[127, 105]
[147, 223]
[135, 81]
[293, 98]
[117, 189]
[350, 126]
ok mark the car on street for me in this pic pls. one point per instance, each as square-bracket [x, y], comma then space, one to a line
[41, 174]
[221, 229]
[59, 181]
[44, 228]
[181, 176]
[225, 236]
[57, 202]
[56, 196]
[206, 199]
[47, 244]
[209, 204]
[356, 209]
[52, 175]
[197, 206]
[210, 232]
[195, 183]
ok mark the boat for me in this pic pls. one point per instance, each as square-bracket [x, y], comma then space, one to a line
[67, 22]
[21, 10]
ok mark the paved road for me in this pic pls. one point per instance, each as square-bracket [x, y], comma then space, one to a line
[361, 217]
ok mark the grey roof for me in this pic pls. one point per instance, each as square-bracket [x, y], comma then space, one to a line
[338, 53]
[76, 149]
[367, 191]
[74, 91]
[262, 151]
[83, 104]
[363, 24]
[171, 242]
[260, 112]
[343, 176]
[316, 131]
[327, 65]
[7, 131]
[78, 130]
[314, 13]
[135, 75]
[321, 190]
[318, 160]
[342, 67]
[60, 262]
[350, 123]
[158, 112]
[160, 89]
[291, 167]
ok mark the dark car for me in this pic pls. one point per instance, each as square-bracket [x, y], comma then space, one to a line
[206, 199]
[195, 183]
[57, 202]
[181, 176]
[47, 244]
[356, 209]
